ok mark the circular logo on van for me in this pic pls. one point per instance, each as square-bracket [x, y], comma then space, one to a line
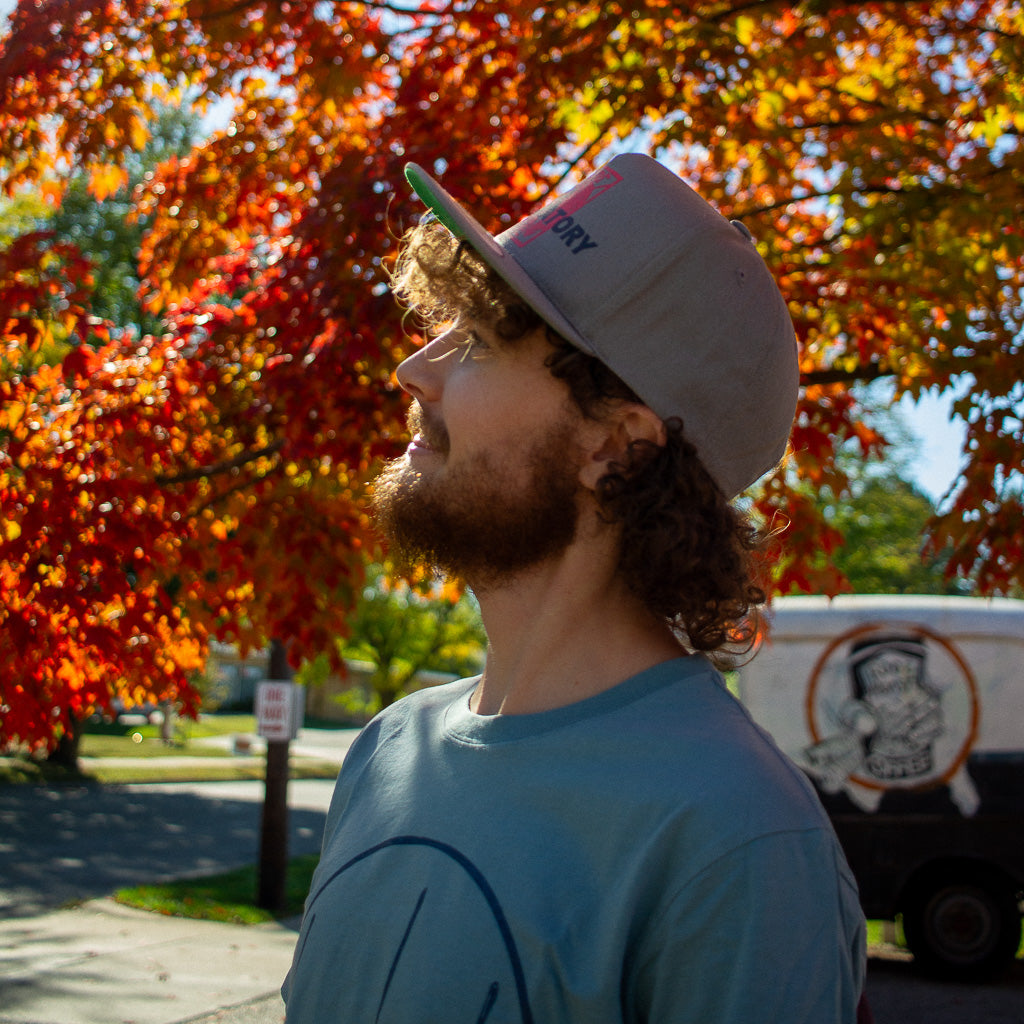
[890, 706]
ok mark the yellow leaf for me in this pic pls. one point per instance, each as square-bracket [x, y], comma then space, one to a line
[139, 135]
[745, 28]
[11, 414]
[770, 107]
[107, 179]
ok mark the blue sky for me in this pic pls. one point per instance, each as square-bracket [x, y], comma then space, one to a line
[936, 461]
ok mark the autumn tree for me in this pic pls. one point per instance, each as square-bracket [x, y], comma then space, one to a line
[207, 478]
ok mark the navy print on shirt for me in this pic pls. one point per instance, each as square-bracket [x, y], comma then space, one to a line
[392, 980]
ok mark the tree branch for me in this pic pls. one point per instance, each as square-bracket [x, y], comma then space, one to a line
[859, 375]
[222, 496]
[216, 468]
[869, 188]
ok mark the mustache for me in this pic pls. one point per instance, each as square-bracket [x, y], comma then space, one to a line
[432, 430]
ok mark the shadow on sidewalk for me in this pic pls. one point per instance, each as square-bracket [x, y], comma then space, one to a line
[64, 844]
[104, 962]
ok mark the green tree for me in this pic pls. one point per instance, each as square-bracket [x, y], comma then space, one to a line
[402, 631]
[875, 536]
[882, 552]
[109, 232]
[19, 213]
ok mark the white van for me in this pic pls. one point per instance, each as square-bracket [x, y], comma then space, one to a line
[908, 715]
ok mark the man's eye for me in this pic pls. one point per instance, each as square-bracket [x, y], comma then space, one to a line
[473, 345]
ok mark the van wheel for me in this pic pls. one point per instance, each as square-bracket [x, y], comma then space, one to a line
[966, 927]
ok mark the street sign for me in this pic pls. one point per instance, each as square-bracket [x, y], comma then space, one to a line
[279, 710]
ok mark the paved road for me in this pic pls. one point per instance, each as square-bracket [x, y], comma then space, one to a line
[899, 995]
[68, 843]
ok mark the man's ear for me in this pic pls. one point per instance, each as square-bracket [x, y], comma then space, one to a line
[626, 423]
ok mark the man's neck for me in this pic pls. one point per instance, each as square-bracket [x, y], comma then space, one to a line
[563, 632]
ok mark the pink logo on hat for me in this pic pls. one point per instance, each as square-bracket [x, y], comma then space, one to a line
[597, 184]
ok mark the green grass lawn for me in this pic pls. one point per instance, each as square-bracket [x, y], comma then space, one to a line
[229, 897]
[148, 756]
[226, 771]
[22, 771]
[137, 745]
[116, 739]
[877, 933]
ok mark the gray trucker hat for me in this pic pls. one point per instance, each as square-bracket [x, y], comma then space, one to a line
[633, 267]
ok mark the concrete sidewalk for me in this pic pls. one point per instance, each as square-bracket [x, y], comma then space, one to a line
[103, 963]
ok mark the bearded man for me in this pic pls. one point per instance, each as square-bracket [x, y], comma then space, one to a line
[592, 830]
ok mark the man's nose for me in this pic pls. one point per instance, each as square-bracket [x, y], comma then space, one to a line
[422, 373]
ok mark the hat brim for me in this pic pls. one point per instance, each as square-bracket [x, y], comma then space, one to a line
[463, 226]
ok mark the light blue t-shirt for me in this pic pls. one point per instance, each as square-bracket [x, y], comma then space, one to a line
[646, 855]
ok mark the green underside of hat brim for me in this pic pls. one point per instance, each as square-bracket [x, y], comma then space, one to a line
[421, 186]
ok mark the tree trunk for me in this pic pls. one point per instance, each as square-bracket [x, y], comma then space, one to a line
[167, 724]
[65, 754]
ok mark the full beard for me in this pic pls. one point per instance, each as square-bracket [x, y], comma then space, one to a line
[469, 522]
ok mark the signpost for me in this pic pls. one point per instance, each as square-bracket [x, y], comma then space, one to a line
[278, 719]
[279, 710]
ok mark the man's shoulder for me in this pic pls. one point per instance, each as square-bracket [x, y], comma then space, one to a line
[404, 727]
[419, 706]
[429, 698]
[701, 744]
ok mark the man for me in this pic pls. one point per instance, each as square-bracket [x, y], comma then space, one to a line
[593, 830]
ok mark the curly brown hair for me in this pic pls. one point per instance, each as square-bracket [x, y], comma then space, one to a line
[686, 552]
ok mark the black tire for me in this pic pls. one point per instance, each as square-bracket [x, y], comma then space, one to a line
[965, 927]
